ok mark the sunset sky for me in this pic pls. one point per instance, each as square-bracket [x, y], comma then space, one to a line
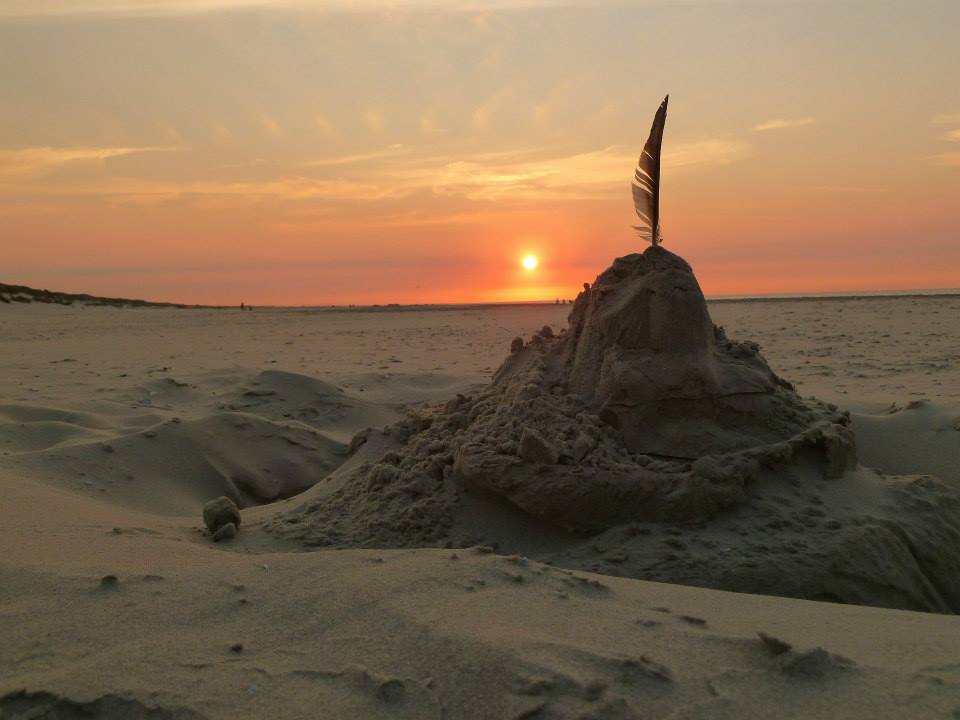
[215, 151]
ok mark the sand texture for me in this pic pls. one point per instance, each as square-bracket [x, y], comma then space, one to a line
[342, 437]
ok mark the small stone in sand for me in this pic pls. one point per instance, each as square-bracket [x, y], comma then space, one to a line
[109, 582]
[236, 648]
[219, 512]
[225, 532]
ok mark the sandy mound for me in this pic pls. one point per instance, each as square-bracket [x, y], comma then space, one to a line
[174, 466]
[641, 441]
[642, 351]
[168, 444]
[285, 396]
[642, 409]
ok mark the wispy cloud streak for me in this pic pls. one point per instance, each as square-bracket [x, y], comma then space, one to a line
[396, 171]
[951, 159]
[388, 152]
[945, 119]
[781, 124]
[59, 8]
[522, 177]
[36, 160]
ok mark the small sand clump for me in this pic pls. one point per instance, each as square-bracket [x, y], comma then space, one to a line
[219, 512]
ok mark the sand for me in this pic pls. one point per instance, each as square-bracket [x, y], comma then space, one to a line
[117, 424]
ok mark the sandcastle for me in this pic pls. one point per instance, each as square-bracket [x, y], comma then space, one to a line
[640, 409]
[641, 441]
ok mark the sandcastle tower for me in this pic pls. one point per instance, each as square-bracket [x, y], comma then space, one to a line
[642, 407]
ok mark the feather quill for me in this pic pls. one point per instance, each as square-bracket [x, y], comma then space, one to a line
[646, 181]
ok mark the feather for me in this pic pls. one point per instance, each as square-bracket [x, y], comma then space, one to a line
[646, 181]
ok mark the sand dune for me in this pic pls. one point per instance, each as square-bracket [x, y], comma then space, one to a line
[174, 465]
[280, 395]
[259, 448]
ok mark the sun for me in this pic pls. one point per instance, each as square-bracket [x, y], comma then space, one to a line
[530, 262]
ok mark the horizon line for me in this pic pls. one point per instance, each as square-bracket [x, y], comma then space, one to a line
[9, 289]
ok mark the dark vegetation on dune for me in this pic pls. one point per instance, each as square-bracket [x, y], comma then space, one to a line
[25, 294]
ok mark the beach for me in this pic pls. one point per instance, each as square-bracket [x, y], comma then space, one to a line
[118, 424]
[457, 360]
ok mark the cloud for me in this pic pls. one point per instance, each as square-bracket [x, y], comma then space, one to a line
[393, 172]
[223, 135]
[428, 123]
[271, 126]
[26, 172]
[388, 152]
[132, 191]
[37, 160]
[946, 119]
[480, 119]
[219, 195]
[782, 124]
[951, 158]
[324, 124]
[528, 177]
[373, 119]
[705, 152]
[953, 135]
[57, 8]
[850, 189]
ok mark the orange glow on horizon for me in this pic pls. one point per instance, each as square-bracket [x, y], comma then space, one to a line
[321, 172]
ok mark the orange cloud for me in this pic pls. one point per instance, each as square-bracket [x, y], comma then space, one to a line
[36, 160]
[951, 158]
[783, 124]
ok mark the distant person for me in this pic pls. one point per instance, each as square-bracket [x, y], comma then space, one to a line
[242, 307]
